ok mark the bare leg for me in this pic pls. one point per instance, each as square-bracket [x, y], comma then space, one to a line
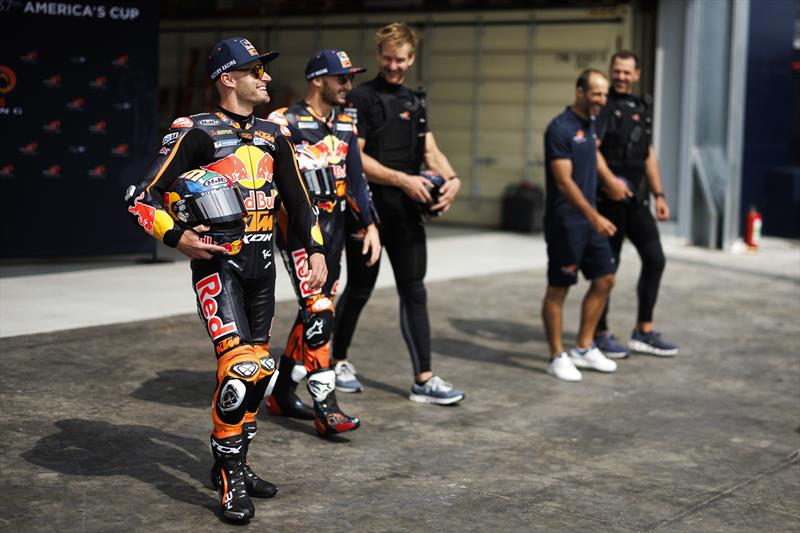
[592, 308]
[552, 315]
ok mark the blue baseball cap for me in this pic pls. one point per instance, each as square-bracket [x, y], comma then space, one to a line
[330, 62]
[232, 54]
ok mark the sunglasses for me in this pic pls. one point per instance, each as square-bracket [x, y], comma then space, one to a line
[344, 78]
[257, 71]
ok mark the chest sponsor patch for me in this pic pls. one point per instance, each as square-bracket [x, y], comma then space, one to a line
[344, 127]
[229, 142]
[307, 125]
[208, 122]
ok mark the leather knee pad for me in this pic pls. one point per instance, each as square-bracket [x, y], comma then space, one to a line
[237, 373]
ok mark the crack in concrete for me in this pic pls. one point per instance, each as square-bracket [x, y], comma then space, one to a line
[789, 460]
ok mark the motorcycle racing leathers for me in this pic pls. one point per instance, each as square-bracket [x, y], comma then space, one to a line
[235, 292]
[330, 163]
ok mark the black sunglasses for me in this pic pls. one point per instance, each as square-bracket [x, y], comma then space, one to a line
[344, 78]
[257, 71]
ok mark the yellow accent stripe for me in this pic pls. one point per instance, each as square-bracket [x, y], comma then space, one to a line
[166, 164]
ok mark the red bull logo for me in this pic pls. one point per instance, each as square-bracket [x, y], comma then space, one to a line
[99, 127]
[29, 149]
[76, 104]
[120, 150]
[207, 290]
[99, 82]
[121, 61]
[248, 166]
[328, 151]
[30, 57]
[146, 215]
[52, 82]
[7, 171]
[53, 171]
[99, 172]
[54, 126]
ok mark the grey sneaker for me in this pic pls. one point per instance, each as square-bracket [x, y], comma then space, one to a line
[435, 390]
[346, 380]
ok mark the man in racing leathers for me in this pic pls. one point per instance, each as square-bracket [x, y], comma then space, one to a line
[235, 286]
[327, 152]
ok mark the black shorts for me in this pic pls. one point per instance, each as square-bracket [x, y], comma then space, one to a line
[573, 247]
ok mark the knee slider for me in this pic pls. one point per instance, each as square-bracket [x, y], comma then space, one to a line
[317, 328]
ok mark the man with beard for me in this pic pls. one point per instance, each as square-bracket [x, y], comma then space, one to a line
[234, 284]
[576, 234]
[330, 162]
[629, 174]
[396, 141]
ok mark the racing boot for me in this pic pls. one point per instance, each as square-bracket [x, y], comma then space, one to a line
[328, 418]
[228, 477]
[260, 488]
[284, 400]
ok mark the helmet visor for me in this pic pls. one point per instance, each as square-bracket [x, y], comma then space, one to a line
[219, 205]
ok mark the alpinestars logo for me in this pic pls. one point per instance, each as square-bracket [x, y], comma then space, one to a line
[319, 389]
[315, 329]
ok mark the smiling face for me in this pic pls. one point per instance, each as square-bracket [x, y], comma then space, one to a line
[624, 75]
[592, 100]
[334, 89]
[394, 62]
[249, 87]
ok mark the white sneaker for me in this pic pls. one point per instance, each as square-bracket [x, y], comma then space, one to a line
[346, 380]
[563, 368]
[592, 358]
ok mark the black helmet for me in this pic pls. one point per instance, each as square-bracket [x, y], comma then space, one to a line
[205, 197]
[436, 180]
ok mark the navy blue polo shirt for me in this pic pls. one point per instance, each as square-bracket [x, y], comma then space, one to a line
[568, 136]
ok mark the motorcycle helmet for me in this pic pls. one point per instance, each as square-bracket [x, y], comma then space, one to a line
[205, 197]
[436, 181]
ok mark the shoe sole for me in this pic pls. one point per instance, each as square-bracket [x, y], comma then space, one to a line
[421, 398]
[643, 347]
[615, 355]
[587, 366]
[341, 388]
[564, 379]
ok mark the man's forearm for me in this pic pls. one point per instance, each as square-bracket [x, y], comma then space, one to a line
[377, 173]
[653, 173]
[607, 177]
[575, 197]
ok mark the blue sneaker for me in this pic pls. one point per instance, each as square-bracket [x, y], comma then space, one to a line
[435, 390]
[651, 343]
[611, 346]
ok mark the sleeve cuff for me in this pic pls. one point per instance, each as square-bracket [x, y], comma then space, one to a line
[172, 236]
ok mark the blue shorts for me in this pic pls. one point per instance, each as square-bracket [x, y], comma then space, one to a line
[573, 247]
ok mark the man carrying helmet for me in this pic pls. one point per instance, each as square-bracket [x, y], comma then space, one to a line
[234, 283]
[327, 153]
[396, 141]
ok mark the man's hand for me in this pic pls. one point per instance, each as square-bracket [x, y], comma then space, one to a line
[447, 193]
[662, 209]
[618, 190]
[371, 245]
[318, 271]
[192, 247]
[604, 227]
[416, 187]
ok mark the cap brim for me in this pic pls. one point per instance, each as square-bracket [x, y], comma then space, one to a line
[269, 56]
[342, 72]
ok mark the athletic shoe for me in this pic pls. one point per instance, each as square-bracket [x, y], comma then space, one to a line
[592, 358]
[610, 346]
[651, 343]
[562, 367]
[346, 380]
[435, 390]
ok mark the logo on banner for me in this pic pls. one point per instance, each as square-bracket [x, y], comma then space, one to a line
[8, 80]
[121, 61]
[29, 149]
[53, 171]
[78, 60]
[100, 127]
[76, 104]
[52, 82]
[54, 126]
[31, 58]
[97, 172]
[120, 150]
[7, 171]
[100, 82]
[77, 149]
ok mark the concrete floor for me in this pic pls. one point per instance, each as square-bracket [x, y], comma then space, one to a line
[106, 428]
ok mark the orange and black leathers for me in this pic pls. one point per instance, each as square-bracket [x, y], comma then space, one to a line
[322, 142]
[235, 292]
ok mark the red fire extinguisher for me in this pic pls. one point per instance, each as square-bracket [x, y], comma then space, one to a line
[752, 235]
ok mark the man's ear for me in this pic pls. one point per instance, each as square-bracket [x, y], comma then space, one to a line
[226, 79]
[411, 58]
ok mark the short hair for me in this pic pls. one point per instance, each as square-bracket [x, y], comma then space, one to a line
[583, 79]
[396, 35]
[626, 54]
